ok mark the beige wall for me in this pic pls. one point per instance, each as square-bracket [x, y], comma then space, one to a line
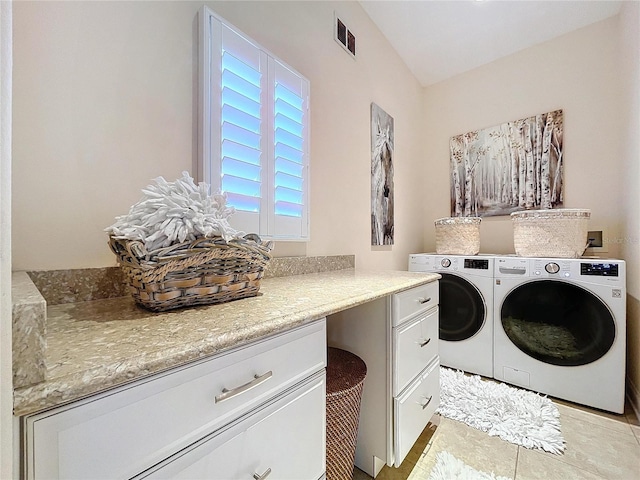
[578, 73]
[593, 74]
[104, 102]
[6, 370]
[629, 29]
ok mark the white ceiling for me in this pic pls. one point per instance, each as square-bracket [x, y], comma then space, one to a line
[440, 39]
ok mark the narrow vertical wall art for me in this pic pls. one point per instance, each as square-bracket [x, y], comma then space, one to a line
[381, 177]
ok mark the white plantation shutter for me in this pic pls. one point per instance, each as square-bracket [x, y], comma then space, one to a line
[254, 132]
[289, 210]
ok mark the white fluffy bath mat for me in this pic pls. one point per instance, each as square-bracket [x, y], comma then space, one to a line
[448, 467]
[515, 415]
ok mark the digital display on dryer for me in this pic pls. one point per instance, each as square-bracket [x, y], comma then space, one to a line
[476, 263]
[599, 269]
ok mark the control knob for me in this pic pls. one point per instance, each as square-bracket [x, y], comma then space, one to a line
[552, 267]
[445, 262]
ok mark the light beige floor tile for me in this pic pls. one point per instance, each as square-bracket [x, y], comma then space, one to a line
[636, 431]
[418, 473]
[534, 466]
[605, 419]
[603, 451]
[475, 448]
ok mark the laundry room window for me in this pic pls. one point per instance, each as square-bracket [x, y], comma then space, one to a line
[253, 132]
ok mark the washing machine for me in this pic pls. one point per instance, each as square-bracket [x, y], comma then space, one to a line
[560, 328]
[465, 309]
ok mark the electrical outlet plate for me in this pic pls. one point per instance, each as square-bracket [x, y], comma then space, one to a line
[599, 236]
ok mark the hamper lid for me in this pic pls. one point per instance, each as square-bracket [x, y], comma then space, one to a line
[553, 213]
[458, 221]
[344, 370]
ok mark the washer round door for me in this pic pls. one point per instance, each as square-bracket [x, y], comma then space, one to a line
[558, 323]
[462, 309]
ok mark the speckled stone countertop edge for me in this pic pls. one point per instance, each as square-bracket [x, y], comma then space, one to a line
[63, 390]
[79, 384]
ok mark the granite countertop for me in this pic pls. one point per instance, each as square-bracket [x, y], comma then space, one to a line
[96, 345]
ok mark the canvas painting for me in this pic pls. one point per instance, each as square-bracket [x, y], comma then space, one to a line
[514, 166]
[381, 177]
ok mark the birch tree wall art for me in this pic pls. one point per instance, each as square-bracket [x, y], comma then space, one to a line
[513, 166]
[381, 177]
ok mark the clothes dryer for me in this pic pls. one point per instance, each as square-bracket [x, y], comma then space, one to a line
[465, 309]
[560, 328]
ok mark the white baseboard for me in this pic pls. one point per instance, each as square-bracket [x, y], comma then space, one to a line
[633, 395]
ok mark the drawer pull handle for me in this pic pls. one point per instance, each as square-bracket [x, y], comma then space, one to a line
[424, 405]
[257, 380]
[423, 300]
[425, 343]
[263, 476]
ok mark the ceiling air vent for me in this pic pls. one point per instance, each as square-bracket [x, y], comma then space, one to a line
[344, 36]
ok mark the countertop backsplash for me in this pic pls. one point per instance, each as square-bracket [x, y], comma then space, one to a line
[86, 284]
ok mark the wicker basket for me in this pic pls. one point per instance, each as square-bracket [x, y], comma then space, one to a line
[550, 233]
[205, 271]
[345, 379]
[458, 235]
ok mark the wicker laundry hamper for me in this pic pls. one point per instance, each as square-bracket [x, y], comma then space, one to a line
[458, 235]
[558, 232]
[345, 380]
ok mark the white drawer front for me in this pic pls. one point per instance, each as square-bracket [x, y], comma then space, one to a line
[415, 345]
[414, 409]
[412, 302]
[285, 438]
[119, 435]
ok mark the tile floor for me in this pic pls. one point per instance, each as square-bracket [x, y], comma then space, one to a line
[599, 446]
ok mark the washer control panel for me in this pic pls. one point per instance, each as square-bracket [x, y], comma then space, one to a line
[476, 265]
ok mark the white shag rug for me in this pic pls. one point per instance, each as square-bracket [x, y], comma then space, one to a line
[515, 415]
[448, 467]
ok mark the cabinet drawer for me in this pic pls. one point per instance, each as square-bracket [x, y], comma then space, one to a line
[412, 302]
[415, 344]
[285, 438]
[413, 410]
[120, 434]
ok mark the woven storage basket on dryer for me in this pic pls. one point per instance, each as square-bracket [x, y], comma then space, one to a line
[345, 380]
[458, 235]
[204, 271]
[550, 233]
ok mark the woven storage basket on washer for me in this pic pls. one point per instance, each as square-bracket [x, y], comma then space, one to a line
[345, 380]
[458, 235]
[205, 271]
[550, 233]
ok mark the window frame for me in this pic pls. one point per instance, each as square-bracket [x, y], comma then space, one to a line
[209, 162]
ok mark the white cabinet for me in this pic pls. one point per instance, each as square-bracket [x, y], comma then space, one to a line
[415, 344]
[127, 430]
[282, 439]
[397, 337]
[414, 408]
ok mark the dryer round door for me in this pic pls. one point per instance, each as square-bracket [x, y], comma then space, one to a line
[558, 323]
[462, 308]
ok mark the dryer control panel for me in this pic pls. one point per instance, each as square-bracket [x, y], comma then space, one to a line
[599, 269]
[570, 269]
[556, 267]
